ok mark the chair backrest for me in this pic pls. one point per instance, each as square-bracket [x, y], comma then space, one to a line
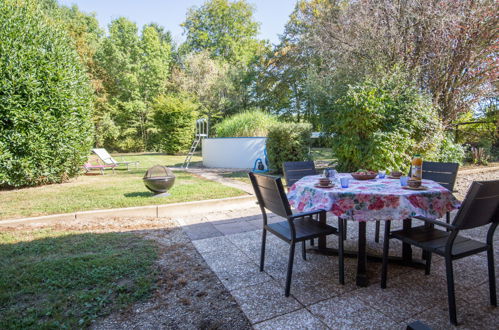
[480, 207]
[294, 171]
[104, 156]
[443, 173]
[270, 194]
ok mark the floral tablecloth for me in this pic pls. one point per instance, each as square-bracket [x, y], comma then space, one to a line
[378, 199]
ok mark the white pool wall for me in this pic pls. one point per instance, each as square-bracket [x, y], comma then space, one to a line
[237, 152]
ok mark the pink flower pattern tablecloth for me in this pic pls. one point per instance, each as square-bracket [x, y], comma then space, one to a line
[378, 199]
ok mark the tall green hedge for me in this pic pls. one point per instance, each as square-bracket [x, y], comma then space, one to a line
[175, 117]
[287, 142]
[45, 99]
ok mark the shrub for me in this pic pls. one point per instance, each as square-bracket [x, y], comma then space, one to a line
[448, 151]
[248, 123]
[380, 124]
[287, 142]
[175, 118]
[45, 99]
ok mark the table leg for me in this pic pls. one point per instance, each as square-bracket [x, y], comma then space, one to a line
[406, 248]
[362, 279]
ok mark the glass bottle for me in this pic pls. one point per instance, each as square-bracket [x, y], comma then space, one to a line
[417, 167]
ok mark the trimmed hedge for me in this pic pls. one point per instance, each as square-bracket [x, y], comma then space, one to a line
[287, 142]
[248, 123]
[45, 99]
[175, 117]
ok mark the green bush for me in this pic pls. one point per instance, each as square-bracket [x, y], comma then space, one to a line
[287, 142]
[175, 118]
[380, 124]
[45, 99]
[248, 123]
[448, 151]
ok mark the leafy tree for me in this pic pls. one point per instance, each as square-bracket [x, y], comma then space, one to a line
[283, 82]
[175, 116]
[450, 46]
[208, 80]
[45, 99]
[225, 29]
[135, 73]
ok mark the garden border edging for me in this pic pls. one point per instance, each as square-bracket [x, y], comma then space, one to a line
[156, 211]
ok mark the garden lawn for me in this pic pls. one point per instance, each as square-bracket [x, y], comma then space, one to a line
[51, 279]
[122, 189]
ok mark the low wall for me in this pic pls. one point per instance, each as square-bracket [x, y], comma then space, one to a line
[238, 152]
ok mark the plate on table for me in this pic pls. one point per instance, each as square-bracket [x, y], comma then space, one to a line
[418, 188]
[320, 186]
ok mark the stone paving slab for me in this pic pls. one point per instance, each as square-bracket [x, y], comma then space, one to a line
[349, 312]
[317, 299]
[300, 319]
[264, 301]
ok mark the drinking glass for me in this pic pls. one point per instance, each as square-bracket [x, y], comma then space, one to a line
[344, 182]
[381, 174]
[403, 180]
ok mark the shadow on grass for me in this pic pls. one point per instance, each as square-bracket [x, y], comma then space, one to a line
[139, 194]
[68, 279]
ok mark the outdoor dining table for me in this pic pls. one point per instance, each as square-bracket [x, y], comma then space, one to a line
[371, 200]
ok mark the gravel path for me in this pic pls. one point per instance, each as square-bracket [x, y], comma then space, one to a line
[466, 177]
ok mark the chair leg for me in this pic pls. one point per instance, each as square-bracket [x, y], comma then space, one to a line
[341, 258]
[262, 253]
[427, 267]
[386, 248]
[376, 231]
[290, 269]
[303, 251]
[447, 219]
[450, 291]
[492, 276]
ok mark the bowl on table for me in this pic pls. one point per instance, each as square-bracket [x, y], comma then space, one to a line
[364, 175]
[396, 174]
[414, 183]
[324, 182]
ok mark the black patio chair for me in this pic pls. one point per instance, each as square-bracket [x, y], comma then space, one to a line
[294, 171]
[297, 227]
[481, 207]
[443, 173]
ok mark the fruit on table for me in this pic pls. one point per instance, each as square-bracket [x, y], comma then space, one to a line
[364, 172]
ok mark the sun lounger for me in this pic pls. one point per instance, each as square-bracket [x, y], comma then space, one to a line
[109, 160]
[89, 167]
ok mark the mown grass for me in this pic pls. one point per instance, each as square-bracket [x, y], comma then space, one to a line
[51, 279]
[122, 189]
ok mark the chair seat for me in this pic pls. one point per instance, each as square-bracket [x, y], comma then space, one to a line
[434, 240]
[305, 229]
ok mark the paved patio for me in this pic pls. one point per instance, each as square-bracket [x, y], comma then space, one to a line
[230, 244]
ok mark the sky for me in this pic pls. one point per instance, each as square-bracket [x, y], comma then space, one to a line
[271, 14]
